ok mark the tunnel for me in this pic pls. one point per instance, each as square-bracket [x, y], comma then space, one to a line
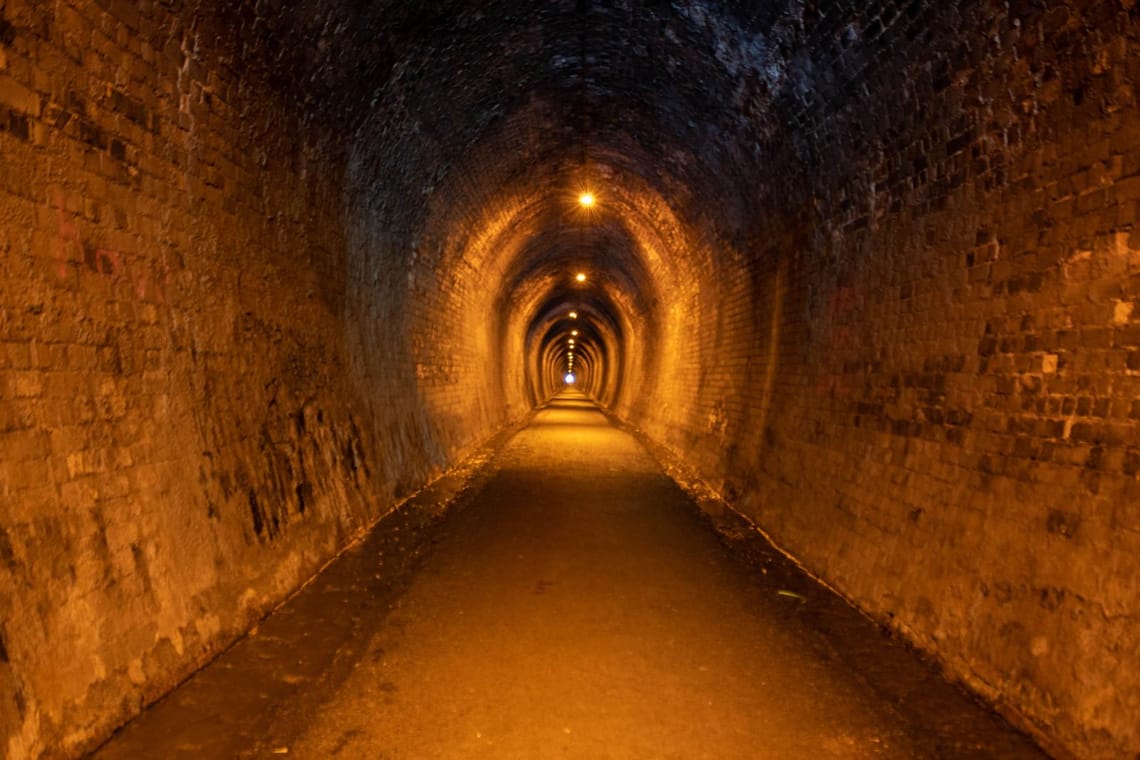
[861, 276]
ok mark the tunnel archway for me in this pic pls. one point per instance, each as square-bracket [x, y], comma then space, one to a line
[867, 273]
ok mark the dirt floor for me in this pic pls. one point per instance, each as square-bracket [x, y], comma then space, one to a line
[573, 603]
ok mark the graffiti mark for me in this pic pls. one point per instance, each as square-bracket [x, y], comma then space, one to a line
[102, 261]
[69, 248]
[153, 285]
[67, 239]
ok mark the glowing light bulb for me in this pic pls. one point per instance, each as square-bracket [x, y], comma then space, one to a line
[580, 277]
[573, 315]
[574, 333]
[586, 199]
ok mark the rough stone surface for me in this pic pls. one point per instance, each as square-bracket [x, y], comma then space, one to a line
[183, 436]
[871, 271]
[939, 414]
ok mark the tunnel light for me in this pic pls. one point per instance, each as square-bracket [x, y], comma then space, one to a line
[573, 315]
[571, 341]
[569, 378]
[586, 199]
[574, 333]
[580, 277]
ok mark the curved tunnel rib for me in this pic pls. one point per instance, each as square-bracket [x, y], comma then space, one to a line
[597, 328]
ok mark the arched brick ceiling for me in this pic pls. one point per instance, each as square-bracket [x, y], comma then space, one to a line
[469, 128]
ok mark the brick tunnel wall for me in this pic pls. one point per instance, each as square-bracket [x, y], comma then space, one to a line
[942, 352]
[873, 273]
[187, 428]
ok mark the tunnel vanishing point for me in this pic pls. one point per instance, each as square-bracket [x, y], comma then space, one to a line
[870, 271]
